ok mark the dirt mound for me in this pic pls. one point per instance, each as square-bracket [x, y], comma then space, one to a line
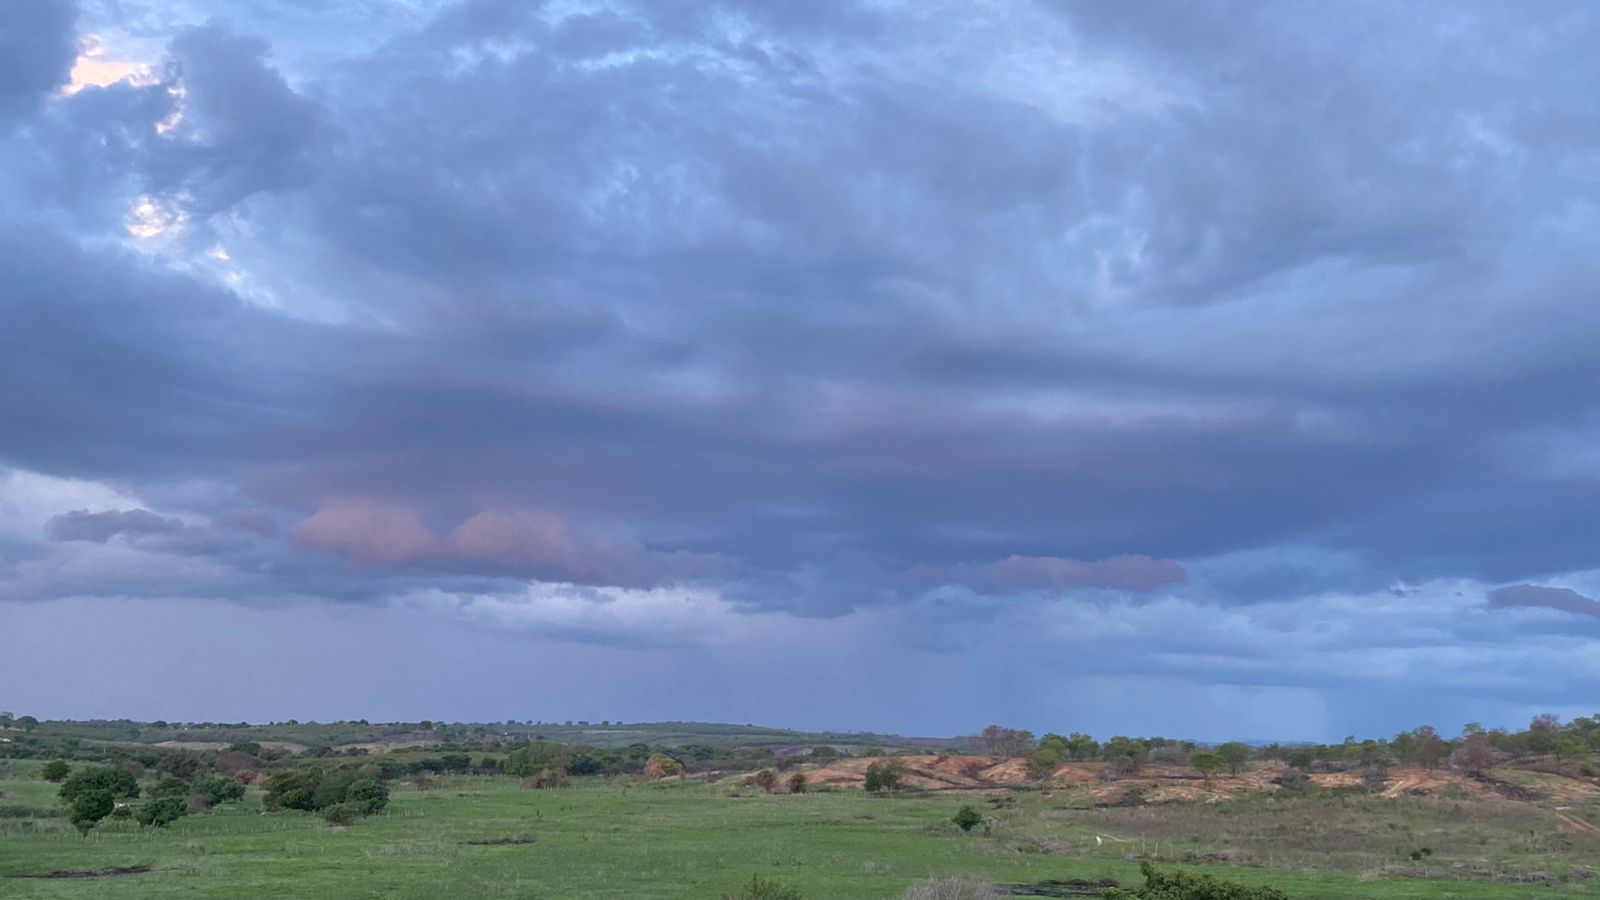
[1427, 782]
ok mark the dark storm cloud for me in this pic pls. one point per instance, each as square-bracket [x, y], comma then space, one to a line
[1533, 595]
[37, 46]
[823, 307]
[82, 525]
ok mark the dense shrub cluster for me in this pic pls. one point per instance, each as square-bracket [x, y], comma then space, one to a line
[342, 794]
[1177, 885]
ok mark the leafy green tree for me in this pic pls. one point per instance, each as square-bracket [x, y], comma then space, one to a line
[169, 786]
[1234, 755]
[215, 789]
[1205, 762]
[1301, 757]
[89, 807]
[967, 818]
[56, 771]
[99, 778]
[1043, 762]
[883, 777]
[161, 811]
[27, 723]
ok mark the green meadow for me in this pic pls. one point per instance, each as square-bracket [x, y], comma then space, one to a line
[488, 836]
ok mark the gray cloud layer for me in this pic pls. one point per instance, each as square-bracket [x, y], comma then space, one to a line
[816, 309]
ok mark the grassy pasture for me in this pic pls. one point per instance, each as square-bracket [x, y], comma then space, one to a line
[626, 839]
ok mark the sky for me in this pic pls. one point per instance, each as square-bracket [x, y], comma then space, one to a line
[1204, 369]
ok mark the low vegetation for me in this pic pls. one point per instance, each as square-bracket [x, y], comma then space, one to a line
[1487, 814]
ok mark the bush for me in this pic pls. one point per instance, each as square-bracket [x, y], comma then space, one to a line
[161, 811]
[766, 779]
[662, 766]
[343, 813]
[314, 790]
[1177, 885]
[218, 789]
[546, 779]
[96, 779]
[883, 777]
[953, 889]
[56, 771]
[764, 889]
[967, 818]
[797, 783]
[88, 808]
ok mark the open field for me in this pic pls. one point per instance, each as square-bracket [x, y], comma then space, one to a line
[621, 837]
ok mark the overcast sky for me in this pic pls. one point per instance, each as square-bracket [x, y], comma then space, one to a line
[1201, 369]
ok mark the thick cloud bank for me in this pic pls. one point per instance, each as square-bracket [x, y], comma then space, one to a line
[1205, 330]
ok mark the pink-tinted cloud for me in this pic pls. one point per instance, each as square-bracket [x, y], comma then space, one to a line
[542, 546]
[369, 534]
[529, 544]
[1031, 573]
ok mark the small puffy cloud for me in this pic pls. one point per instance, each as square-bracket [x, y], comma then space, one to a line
[1035, 573]
[82, 525]
[371, 534]
[1525, 596]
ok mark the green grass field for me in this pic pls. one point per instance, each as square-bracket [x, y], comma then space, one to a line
[628, 839]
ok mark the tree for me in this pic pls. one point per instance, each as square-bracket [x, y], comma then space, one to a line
[1477, 753]
[217, 789]
[797, 783]
[1431, 749]
[56, 771]
[27, 723]
[88, 808]
[1570, 746]
[967, 818]
[99, 778]
[1005, 742]
[883, 777]
[1043, 762]
[1206, 762]
[161, 811]
[1301, 757]
[766, 779]
[1234, 755]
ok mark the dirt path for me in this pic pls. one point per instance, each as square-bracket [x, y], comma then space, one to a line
[1579, 825]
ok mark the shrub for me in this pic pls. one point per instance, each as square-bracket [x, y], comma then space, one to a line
[662, 766]
[1042, 763]
[56, 771]
[797, 783]
[218, 789]
[547, 778]
[1177, 885]
[765, 889]
[967, 818]
[88, 808]
[953, 889]
[882, 777]
[1205, 762]
[343, 813]
[161, 811]
[98, 778]
[766, 779]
